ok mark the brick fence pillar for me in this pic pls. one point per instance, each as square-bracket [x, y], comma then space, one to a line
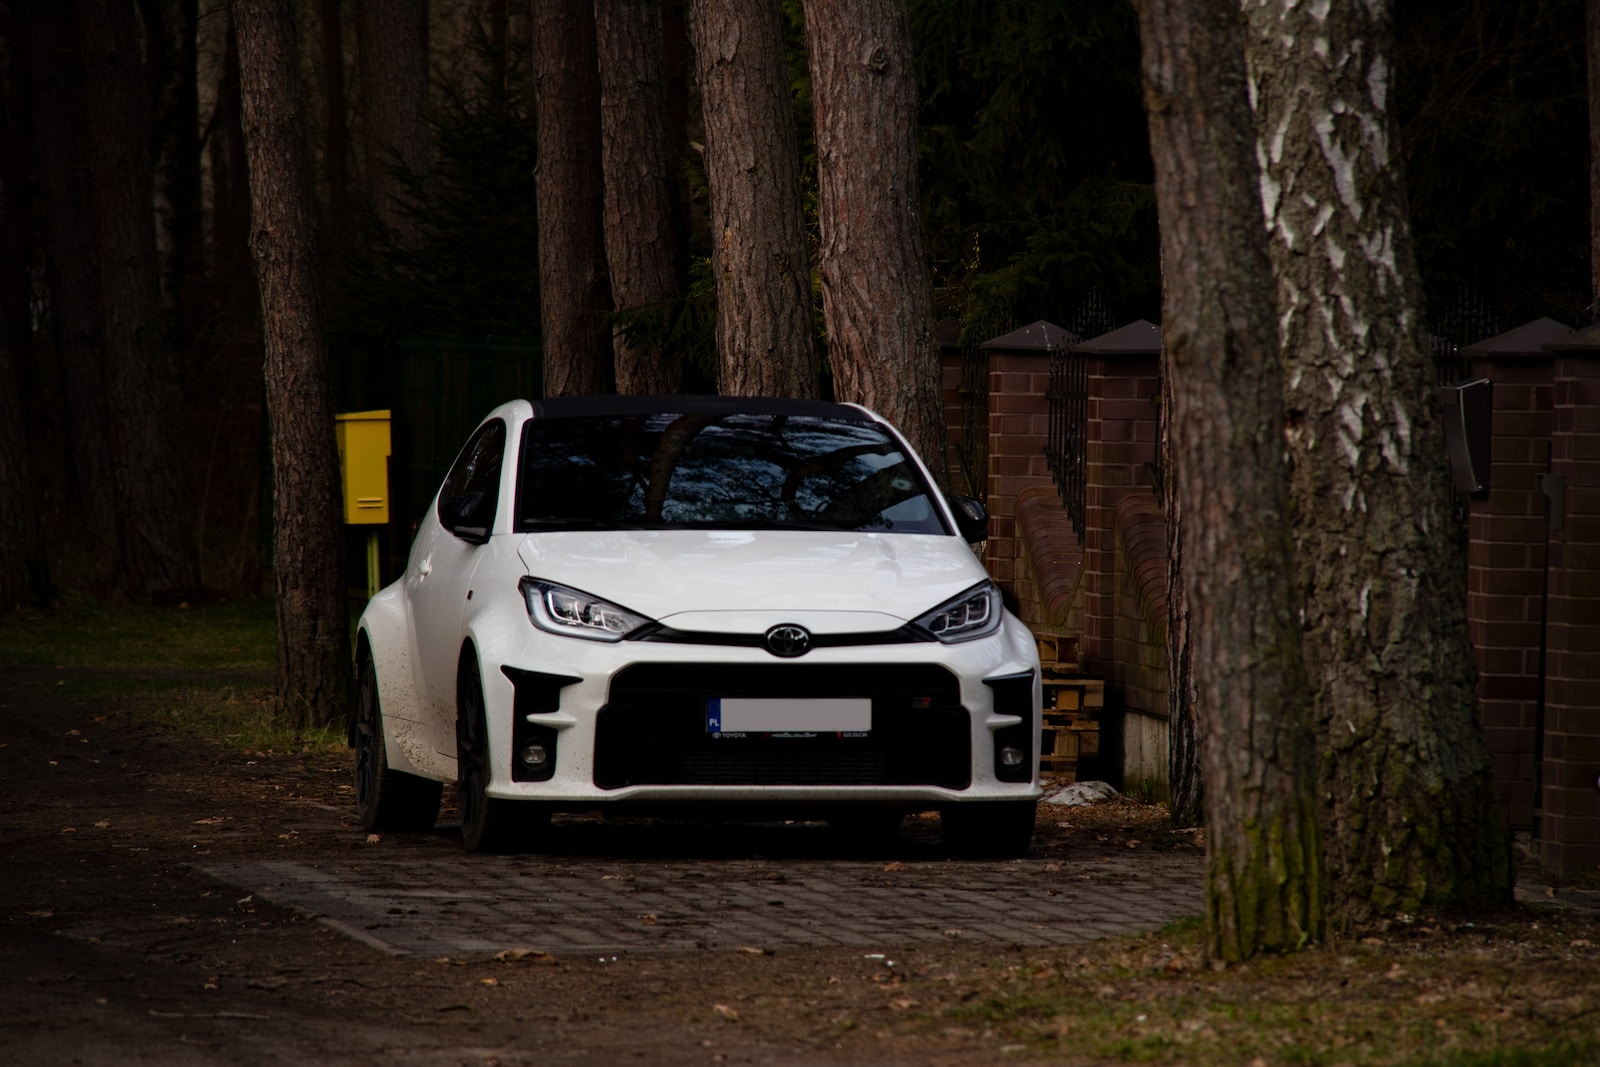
[1569, 824]
[1019, 418]
[1124, 404]
[1505, 555]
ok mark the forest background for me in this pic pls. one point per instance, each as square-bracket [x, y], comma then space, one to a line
[1036, 201]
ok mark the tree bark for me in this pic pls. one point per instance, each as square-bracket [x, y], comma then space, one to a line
[154, 524]
[1408, 814]
[313, 675]
[1263, 876]
[393, 39]
[765, 342]
[335, 132]
[642, 233]
[877, 300]
[71, 269]
[1592, 26]
[171, 29]
[24, 568]
[574, 291]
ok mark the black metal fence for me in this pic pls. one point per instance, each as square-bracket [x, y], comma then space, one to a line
[974, 447]
[1067, 442]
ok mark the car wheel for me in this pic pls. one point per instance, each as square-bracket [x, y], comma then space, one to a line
[386, 799]
[1000, 830]
[867, 832]
[488, 824]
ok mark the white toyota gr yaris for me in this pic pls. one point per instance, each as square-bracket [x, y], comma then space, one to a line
[762, 607]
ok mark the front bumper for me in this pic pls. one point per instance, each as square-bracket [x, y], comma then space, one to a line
[625, 723]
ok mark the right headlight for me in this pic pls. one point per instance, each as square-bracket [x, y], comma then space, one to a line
[560, 609]
[974, 614]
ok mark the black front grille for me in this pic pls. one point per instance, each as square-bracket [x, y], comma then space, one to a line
[653, 731]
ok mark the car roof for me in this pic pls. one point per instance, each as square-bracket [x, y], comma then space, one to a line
[567, 407]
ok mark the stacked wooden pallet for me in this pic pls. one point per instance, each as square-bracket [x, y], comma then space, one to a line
[1072, 704]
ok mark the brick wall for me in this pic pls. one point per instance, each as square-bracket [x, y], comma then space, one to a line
[1569, 824]
[1505, 572]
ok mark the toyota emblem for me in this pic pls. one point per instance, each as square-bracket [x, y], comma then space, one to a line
[788, 640]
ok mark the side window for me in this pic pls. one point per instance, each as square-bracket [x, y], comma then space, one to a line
[471, 490]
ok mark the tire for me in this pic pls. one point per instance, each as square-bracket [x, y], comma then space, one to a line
[997, 830]
[386, 799]
[488, 824]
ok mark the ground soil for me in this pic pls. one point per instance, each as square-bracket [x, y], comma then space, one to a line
[116, 949]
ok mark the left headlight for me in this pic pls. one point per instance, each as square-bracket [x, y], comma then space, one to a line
[559, 609]
[975, 613]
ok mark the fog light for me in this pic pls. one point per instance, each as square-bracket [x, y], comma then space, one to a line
[535, 755]
[1012, 756]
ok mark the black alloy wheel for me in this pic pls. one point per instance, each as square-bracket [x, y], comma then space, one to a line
[386, 799]
[488, 824]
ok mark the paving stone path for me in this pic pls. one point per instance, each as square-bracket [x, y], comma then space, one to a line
[451, 905]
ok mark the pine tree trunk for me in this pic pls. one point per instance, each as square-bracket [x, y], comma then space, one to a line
[313, 676]
[765, 343]
[574, 292]
[72, 277]
[1592, 27]
[171, 28]
[335, 134]
[1263, 880]
[877, 300]
[154, 522]
[641, 183]
[24, 569]
[393, 39]
[1408, 814]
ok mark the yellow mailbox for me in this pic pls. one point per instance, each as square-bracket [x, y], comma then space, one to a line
[364, 466]
[363, 438]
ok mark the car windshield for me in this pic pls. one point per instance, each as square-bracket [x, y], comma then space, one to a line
[718, 470]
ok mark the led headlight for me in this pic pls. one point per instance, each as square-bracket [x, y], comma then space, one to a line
[975, 613]
[558, 609]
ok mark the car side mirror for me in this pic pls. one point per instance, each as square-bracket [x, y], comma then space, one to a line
[972, 518]
[468, 516]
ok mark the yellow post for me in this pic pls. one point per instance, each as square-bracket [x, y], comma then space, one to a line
[363, 438]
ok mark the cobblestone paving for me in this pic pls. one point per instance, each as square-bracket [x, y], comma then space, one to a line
[451, 905]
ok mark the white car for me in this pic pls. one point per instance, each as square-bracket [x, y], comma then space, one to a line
[672, 603]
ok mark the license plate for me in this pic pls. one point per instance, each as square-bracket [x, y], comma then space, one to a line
[780, 715]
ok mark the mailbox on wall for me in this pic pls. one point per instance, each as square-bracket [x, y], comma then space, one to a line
[363, 438]
[364, 466]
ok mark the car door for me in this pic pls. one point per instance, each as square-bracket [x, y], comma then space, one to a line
[451, 543]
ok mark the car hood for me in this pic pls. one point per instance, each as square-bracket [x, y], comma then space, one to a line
[733, 580]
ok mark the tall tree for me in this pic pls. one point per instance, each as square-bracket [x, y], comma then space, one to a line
[575, 293]
[643, 243]
[1408, 814]
[1185, 785]
[877, 300]
[759, 259]
[1592, 22]
[172, 51]
[313, 674]
[1263, 869]
[393, 41]
[24, 568]
[154, 525]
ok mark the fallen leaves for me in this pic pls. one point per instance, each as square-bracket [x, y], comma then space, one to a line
[727, 1012]
[525, 955]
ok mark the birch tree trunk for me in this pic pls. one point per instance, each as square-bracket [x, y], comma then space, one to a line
[574, 292]
[1408, 814]
[313, 676]
[765, 345]
[1263, 874]
[641, 183]
[877, 299]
